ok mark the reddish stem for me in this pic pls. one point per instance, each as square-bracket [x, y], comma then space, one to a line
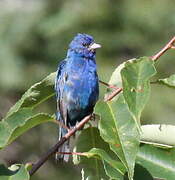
[54, 149]
[71, 153]
[169, 45]
[113, 94]
[108, 85]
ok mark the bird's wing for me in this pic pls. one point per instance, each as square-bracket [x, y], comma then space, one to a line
[58, 78]
[59, 85]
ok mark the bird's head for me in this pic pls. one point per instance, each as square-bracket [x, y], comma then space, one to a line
[84, 45]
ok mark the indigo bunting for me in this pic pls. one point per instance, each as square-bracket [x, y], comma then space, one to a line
[76, 85]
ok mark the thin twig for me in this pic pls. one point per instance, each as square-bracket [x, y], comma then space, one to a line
[72, 153]
[169, 45]
[108, 85]
[113, 94]
[54, 149]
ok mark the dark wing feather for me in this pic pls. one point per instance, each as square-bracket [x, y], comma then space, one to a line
[59, 85]
[58, 78]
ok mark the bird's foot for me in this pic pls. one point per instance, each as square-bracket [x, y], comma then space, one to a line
[62, 125]
[95, 117]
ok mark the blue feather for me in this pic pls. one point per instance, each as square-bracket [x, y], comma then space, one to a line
[76, 84]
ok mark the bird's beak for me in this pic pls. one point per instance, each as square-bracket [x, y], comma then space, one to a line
[94, 46]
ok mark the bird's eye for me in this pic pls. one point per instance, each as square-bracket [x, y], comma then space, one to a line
[85, 45]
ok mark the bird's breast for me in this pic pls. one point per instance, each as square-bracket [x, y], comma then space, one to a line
[82, 84]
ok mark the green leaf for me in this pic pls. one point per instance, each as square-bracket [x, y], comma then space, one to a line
[114, 173]
[118, 128]
[114, 168]
[159, 162]
[116, 76]
[14, 172]
[88, 139]
[170, 81]
[141, 173]
[115, 80]
[36, 94]
[136, 85]
[158, 134]
[31, 122]
[8, 125]
[20, 118]
[18, 123]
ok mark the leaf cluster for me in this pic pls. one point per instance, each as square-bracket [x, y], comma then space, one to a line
[118, 147]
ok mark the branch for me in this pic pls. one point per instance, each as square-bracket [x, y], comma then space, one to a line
[54, 149]
[108, 85]
[71, 132]
[169, 45]
[113, 94]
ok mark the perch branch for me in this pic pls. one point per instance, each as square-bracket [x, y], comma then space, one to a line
[54, 149]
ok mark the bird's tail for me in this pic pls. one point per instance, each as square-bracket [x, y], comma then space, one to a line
[64, 148]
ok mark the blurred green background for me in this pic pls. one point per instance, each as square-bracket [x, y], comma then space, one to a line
[34, 36]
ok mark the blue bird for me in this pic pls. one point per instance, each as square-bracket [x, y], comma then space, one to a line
[76, 85]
